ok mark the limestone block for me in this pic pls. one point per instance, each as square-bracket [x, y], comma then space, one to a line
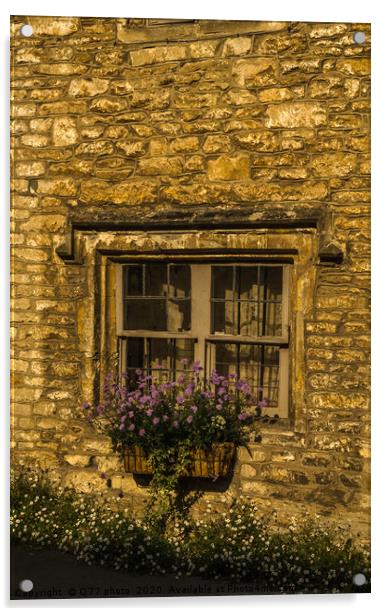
[64, 131]
[127, 193]
[30, 169]
[54, 26]
[88, 86]
[153, 55]
[237, 46]
[296, 114]
[229, 168]
[61, 186]
[86, 481]
[77, 460]
[255, 72]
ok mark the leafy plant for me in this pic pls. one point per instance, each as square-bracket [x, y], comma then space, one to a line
[307, 556]
[170, 419]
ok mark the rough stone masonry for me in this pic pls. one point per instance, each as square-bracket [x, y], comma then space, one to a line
[117, 122]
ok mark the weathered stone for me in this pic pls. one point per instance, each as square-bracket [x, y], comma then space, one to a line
[255, 72]
[54, 26]
[217, 143]
[339, 164]
[162, 165]
[64, 187]
[108, 104]
[77, 460]
[85, 481]
[203, 49]
[64, 131]
[35, 141]
[131, 148]
[88, 86]
[229, 168]
[326, 30]
[45, 222]
[295, 114]
[354, 66]
[123, 193]
[237, 46]
[154, 55]
[262, 140]
[93, 148]
[32, 169]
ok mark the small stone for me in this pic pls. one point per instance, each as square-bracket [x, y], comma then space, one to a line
[64, 131]
[229, 168]
[161, 165]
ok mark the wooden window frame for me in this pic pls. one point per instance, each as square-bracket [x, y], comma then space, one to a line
[200, 332]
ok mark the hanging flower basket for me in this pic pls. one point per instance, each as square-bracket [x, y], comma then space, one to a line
[214, 463]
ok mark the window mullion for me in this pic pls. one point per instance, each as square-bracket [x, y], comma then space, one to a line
[200, 308]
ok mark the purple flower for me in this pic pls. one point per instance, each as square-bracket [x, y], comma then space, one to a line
[180, 399]
[132, 427]
[219, 407]
[175, 424]
[184, 361]
[156, 420]
[221, 391]
[85, 405]
[131, 414]
[188, 390]
[181, 379]
[189, 419]
[149, 412]
[242, 416]
[100, 409]
[122, 427]
[196, 367]
[194, 408]
[165, 417]
[141, 432]
[263, 403]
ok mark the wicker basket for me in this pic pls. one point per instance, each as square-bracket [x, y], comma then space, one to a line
[217, 462]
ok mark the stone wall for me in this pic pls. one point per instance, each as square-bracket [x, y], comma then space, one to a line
[131, 124]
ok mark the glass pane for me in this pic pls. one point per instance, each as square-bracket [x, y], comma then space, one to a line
[179, 281]
[134, 359]
[159, 357]
[223, 317]
[145, 314]
[184, 349]
[222, 282]
[248, 318]
[226, 359]
[156, 279]
[247, 283]
[257, 364]
[270, 374]
[179, 315]
[132, 280]
[249, 366]
[273, 322]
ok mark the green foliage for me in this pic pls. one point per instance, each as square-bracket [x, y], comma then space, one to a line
[308, 556]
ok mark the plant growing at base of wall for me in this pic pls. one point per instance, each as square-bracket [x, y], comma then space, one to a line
[176, 424]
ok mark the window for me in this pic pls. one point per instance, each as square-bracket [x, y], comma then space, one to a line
[231, 317]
